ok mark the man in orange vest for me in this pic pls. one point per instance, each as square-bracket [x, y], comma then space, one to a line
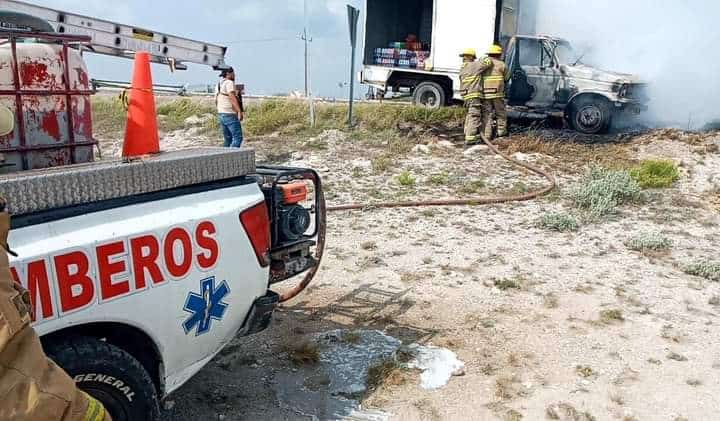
[494, 75]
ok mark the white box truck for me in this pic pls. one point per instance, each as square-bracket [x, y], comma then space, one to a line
[412, 46]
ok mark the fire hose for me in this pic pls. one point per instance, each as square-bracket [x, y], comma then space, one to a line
[482, 200]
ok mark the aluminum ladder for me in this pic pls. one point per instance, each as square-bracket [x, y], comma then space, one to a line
[120, 40]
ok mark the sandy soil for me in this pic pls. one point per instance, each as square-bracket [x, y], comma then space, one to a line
[544, 348]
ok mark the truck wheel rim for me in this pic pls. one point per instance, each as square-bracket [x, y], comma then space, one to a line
[428, 99]
[590, 117]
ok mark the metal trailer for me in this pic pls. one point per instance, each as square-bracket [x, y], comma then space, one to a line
[447, 26]
[46, 82]
[46, 85]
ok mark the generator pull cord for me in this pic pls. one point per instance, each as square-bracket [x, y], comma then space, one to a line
[482, 200]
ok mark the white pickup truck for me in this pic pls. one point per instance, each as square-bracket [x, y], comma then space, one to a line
[140, 272]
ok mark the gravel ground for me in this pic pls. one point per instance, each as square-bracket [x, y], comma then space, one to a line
[550, 325]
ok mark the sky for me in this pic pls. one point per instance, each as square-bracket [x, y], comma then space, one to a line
[659, 40]
[261, 36]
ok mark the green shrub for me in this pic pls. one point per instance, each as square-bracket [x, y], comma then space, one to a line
[649, 241]
[611, 316]
[472, 186]
[602, 190]
[176, 112]
[561, 222]
[440, 179]
[382, 163]
[406, 179]
[520, 188]
[292, 116]
[653, 174]
[271, 116]
[109, 116]
[706, 269]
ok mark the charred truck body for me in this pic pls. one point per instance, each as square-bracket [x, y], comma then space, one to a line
[412, 46]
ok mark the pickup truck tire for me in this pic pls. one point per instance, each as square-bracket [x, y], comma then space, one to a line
[429, 95]
[590, 115]
[110, 375]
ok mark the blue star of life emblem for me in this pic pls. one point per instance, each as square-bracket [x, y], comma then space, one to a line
[206, 306]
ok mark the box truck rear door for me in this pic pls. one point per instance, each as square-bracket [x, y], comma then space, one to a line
[461, 24]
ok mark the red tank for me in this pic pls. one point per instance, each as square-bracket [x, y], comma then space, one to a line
[44, 80]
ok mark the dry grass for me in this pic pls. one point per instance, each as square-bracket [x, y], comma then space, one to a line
[512, 415]
[584, 371]
[508, 388]
[676, 357]
[410, 277]
[382, 163]
[472, 187]
[565, 411]
[509, 283]
[387, 372]
[303, 353]
[439, 179]
[617, 399]
[551, 300]
[574, 155]
[611, 316]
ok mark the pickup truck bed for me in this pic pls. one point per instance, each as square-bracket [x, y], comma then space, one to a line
[52, 188]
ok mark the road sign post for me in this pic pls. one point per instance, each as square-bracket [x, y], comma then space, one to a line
[353, 15]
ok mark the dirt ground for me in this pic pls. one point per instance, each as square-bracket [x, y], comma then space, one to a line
[550, 325]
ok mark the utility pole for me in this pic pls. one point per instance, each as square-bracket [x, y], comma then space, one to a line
[306, 39]
[308, 90]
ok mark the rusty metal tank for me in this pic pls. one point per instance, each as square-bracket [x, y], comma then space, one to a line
[44, 80]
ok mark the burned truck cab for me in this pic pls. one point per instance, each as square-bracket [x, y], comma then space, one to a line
[548, 77]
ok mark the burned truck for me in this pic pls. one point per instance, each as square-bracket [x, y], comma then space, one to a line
[411, 48]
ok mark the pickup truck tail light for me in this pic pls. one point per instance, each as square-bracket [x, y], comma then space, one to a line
[257, 225]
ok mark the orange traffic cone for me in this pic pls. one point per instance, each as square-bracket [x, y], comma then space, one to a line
[141, 132]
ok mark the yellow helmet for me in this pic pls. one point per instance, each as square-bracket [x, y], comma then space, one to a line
[495, 49]
[468, 52]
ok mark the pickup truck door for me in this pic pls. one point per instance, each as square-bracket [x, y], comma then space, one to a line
[535, 75]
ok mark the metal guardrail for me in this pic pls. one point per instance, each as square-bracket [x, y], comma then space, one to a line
[209, 91]
[120, 85]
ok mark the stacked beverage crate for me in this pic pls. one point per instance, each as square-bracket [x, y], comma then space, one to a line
[409, 55]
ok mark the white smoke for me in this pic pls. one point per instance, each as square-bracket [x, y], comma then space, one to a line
[674, 45]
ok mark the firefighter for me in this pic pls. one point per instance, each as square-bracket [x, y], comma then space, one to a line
[32, 387]
[494, 76]
[471, 89]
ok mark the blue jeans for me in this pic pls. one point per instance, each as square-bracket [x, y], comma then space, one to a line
[232, 130]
